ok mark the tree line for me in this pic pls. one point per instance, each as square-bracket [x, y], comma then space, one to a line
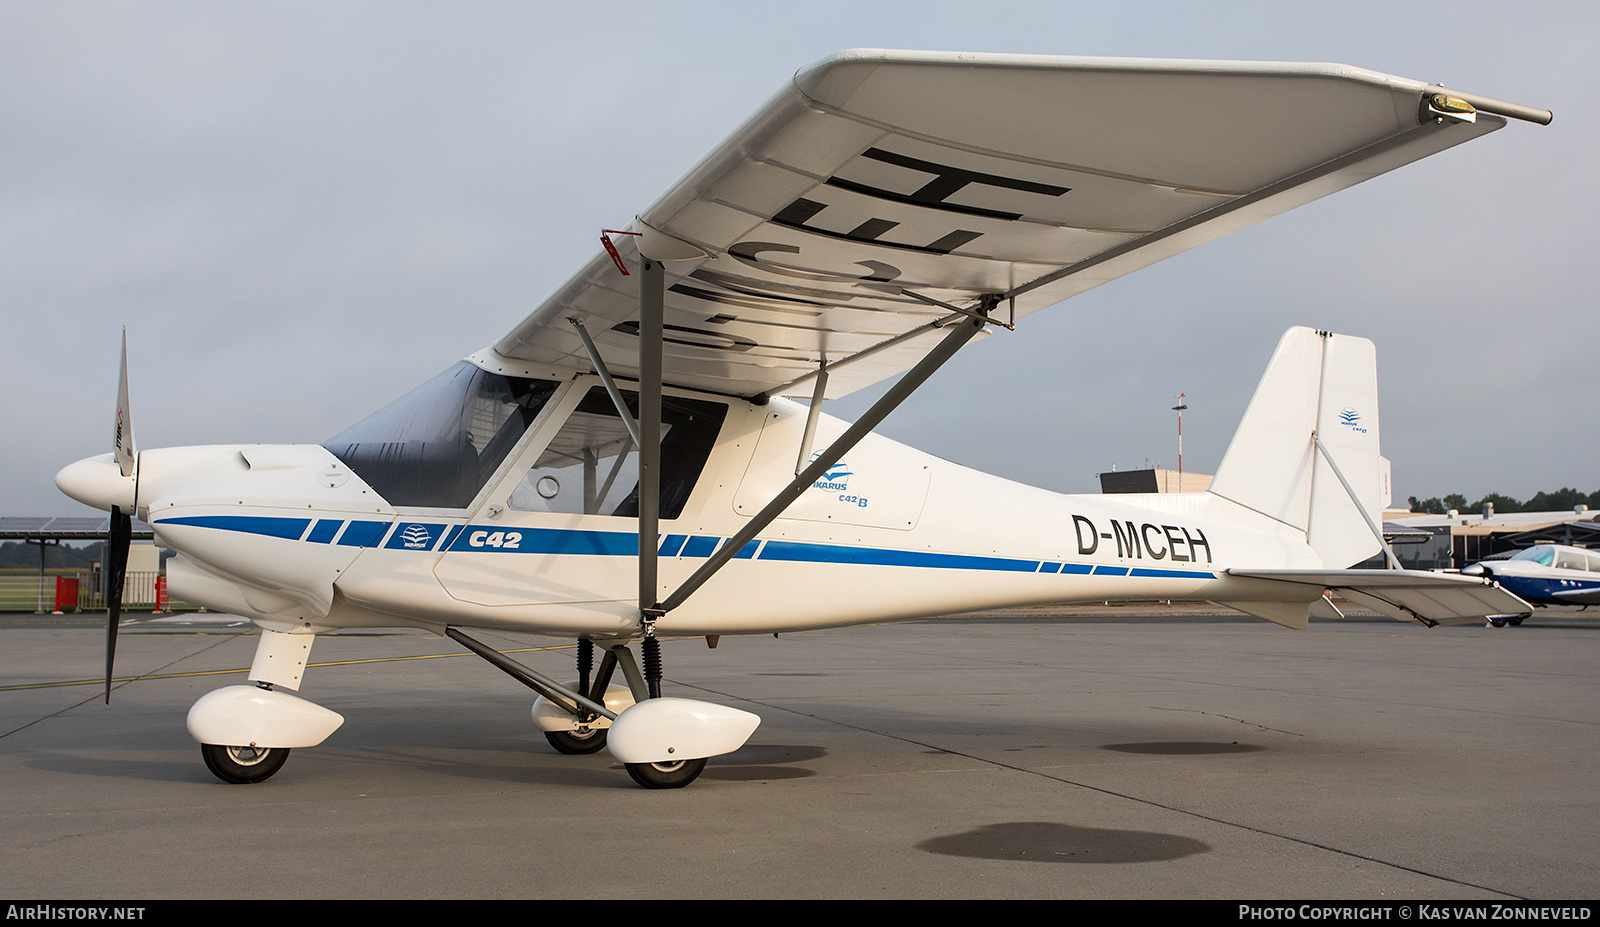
[1562, 500]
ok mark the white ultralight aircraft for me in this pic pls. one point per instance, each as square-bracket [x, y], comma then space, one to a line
[627, 462]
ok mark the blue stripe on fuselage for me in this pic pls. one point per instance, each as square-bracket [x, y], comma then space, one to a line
[800, 551]
[290, 529]
[571, 541]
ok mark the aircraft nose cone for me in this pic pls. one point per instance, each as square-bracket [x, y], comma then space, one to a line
[97, 482]
[1475, 570]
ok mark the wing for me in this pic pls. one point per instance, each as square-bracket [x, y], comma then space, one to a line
[878, 185]
[1409, 595]
[1589, 596]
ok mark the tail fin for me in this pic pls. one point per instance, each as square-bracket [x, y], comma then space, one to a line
[1318, 386]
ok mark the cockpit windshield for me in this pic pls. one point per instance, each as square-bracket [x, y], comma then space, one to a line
[1544, 555]
[437, 445]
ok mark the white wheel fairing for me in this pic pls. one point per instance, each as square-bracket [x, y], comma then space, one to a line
[260, 718]
[666, 730]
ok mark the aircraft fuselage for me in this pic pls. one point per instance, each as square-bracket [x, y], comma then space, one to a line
[292, 537]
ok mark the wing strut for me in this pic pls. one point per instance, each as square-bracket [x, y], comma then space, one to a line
[817, 396]
[652, 297]
[652, 294]
[610, 384]
[960, 334]
[979, 314]
[761, 399]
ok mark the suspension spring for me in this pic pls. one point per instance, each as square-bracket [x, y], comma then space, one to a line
[585, 665]
[652, 665]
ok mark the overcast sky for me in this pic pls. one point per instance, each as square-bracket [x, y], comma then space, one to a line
[301, 210]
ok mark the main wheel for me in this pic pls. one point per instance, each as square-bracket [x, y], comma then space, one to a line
[673, 775]
[243, 764]
[577, 743]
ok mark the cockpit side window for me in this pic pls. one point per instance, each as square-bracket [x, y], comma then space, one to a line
[591, 466]
[437, 445]
[1571, 560]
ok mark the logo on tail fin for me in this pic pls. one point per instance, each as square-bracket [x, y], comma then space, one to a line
[1352, 418]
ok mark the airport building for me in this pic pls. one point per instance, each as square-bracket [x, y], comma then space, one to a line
[1154, 480]
[1419, 541]
[1456, 539]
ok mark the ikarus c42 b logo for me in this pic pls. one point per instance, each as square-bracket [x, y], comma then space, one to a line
[1352, 419]
[837, 479]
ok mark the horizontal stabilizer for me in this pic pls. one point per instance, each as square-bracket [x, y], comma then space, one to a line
[1408, 595]
[1292, 615]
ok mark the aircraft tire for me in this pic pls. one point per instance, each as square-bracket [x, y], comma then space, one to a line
[240, 765]
[674, 775]
[576, 743]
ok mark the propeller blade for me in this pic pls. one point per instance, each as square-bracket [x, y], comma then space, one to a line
[119, 533]
[122, 440]
[118, 536]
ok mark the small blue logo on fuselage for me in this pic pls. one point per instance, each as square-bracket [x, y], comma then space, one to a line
[836, 478]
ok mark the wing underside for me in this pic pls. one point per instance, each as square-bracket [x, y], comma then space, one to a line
[878, 185]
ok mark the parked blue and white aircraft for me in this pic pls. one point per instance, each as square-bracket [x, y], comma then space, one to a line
[627, 462]
[1546, 574]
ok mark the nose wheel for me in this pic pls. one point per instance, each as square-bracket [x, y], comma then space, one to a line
[239, 765]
